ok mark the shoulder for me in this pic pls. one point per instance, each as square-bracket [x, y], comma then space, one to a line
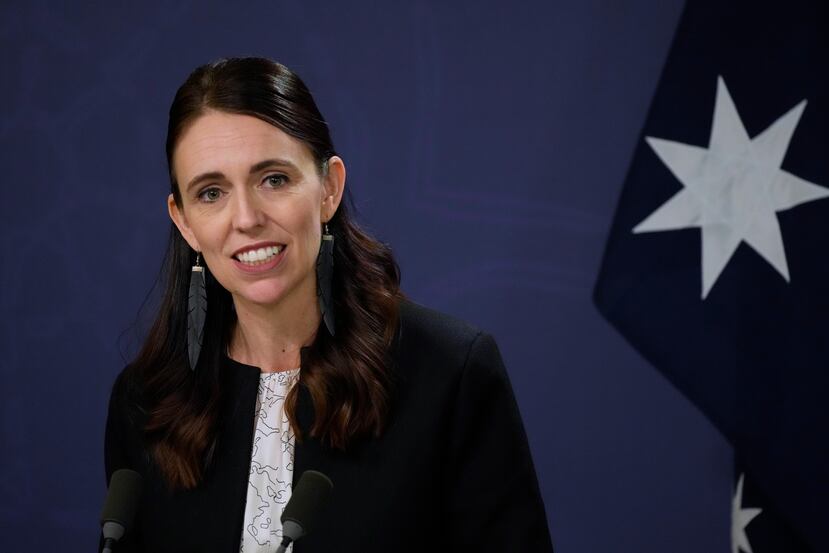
[123, 438]
[126, 388]
[452, 366]
[436, 341]
[422, 326]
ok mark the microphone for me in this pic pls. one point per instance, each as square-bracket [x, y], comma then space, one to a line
[120, 506]
[307, 500]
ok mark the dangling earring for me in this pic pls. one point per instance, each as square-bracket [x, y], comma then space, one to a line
[196, 312]
[325, 274]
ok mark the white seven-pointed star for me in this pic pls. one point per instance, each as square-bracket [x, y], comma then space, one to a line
[739, 520]
[733, 189]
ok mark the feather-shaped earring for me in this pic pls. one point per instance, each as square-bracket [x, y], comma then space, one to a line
[196, 312]
[325, 278]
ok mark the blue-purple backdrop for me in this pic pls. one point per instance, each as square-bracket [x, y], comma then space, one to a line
[486, 141]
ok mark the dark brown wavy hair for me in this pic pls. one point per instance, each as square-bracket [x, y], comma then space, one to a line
[347, 375]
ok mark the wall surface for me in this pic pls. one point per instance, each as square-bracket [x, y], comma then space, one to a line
[485, 141]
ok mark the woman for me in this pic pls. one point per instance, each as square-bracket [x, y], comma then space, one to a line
[307, 356]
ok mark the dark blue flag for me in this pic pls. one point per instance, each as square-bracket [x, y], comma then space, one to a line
[717, 265]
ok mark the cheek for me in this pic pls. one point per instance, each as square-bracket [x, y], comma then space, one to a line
[306, 223]
[207, 237]
[214, 260]
[311, 237]
[208, 233]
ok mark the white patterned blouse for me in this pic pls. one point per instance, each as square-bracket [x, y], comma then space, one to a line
[271, 465]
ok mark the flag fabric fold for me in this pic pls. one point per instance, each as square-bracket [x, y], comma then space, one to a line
[716, 268]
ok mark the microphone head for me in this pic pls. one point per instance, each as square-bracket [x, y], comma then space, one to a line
[122, 497]
[307, 499]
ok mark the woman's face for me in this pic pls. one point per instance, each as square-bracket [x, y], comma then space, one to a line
[252, 204]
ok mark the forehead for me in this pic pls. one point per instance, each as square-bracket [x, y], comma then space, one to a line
[231, 143]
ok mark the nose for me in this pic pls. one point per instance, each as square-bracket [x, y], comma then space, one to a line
[247, 214]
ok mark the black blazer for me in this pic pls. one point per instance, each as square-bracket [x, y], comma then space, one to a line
[452, 472]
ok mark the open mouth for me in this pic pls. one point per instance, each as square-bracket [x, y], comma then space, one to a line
[261, 256]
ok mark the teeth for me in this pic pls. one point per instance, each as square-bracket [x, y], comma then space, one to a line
[256, 257]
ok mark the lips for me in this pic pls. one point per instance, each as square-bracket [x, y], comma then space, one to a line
[258, 251]
[259, 255]
[270, 261]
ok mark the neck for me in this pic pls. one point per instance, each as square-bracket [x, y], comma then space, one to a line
[270, 336]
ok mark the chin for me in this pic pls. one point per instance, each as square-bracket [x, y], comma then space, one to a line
[262, 299]
[261, 295]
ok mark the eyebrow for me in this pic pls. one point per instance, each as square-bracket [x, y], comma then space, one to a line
[255, 168]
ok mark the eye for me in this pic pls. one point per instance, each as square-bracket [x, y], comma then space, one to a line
[276, 180]
[210, 195]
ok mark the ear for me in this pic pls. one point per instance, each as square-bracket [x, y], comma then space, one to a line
[333, 184]
[181, 222]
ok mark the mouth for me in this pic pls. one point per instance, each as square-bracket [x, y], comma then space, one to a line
[259, 256]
